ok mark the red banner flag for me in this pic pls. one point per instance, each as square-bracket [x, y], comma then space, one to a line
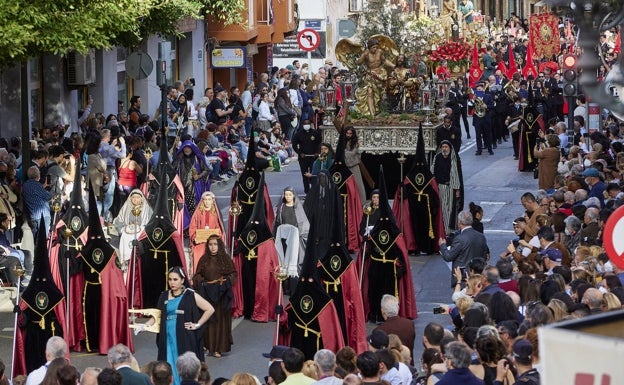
[618, 43]
[501, 67]
[475, 72]
[513, 68]
[544, 34]
[529, 65]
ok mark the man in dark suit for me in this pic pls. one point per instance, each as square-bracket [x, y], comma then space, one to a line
[120, 358]
[467, 245]
[393, 324]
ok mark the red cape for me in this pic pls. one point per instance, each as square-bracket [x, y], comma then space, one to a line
[353, 308]
[19, 365]
[267, 287]
[407, 298]
[353, 214]
[408, 230]
[331, 334]
[114, 328]
[76, 331]
[138, 283]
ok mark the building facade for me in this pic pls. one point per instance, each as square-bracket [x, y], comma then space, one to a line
[56, 95]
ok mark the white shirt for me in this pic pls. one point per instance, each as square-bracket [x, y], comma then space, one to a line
[264, 112]
[393, 377]
[36, 376]
[405, 373]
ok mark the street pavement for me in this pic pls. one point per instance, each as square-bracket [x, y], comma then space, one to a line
[491, 181]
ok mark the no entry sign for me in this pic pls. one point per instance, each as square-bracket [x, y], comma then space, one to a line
[613, 237]
[308, 39]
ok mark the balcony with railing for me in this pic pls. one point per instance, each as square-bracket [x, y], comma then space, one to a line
[266, 22]
[239, 32]
[285, 20]
[266, 19]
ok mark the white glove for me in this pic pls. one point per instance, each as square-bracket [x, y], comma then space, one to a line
[139, 328]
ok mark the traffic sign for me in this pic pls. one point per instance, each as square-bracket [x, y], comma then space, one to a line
[308, 40]
[613, 237]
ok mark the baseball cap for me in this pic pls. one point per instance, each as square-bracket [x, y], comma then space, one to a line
[277, 352]
[284, 71]
[552, 254]
[591, 172]
[378, 339]
[522, 350]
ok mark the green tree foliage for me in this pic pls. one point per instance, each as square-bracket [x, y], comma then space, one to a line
[35, 27]
[380, 17]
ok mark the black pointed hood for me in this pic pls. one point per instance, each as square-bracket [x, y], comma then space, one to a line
[95, 226]
[420, 166]
[76, 217]
[249, 180]
[385, 232]
[97, 251]
[385, 211]
[336, 259]
[322, 205]
[160, 226]
[256, 230]
[309, 283]
[42, 294]
[339, 171]
[250, 162]
[164, 162]
[339, 155]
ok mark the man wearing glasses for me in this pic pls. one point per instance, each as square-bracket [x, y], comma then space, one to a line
[457, 360]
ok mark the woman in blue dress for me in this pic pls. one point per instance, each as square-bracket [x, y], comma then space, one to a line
[183, 318]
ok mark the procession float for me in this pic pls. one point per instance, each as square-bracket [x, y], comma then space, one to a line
[393, 82]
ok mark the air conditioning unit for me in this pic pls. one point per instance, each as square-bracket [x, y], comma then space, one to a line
[357, 5]
[80, 68]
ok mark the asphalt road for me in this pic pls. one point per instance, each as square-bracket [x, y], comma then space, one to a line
[490, 181]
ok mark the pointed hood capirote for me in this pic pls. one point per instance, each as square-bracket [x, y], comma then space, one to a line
[160, 226]
[76, 217]
[385, 211]
[256, 231]
[339, 171]
[42, 294]
[164, 162]
[250, 162]
[335, 258]
[420, 166]
[247, 190]
[385, 232]
[97, 251]
[309, 282]
[249, 179]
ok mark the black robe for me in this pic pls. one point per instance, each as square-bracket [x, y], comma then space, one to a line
[187, 340]
[424, 202]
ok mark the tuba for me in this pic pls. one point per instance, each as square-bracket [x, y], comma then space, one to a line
[510, 91]
[479, 109]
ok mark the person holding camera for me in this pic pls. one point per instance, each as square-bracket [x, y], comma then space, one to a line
[547, 151]
[60, 160]
[465, 246]
[522, 360]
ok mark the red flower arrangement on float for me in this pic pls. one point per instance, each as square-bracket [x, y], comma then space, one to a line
[457, 54]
